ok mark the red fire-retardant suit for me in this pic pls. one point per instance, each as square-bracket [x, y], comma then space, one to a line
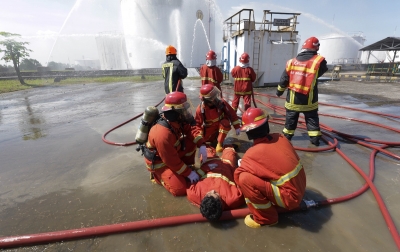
[215, 122]
[171, 163]
[217, 174]
[271, 175]
[244, 77]
[211, 75]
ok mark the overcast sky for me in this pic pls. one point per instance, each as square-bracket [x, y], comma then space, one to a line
[76, 22]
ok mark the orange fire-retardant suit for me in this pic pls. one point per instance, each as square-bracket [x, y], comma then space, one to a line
[217, 174]
[243, 86]
[215, 122]
[211, 75]
[270, 175]
[171, 163]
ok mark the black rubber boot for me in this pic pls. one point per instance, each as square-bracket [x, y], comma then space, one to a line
[315, 140]
[289, 137]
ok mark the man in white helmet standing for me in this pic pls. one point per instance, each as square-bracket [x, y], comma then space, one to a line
[300, 77]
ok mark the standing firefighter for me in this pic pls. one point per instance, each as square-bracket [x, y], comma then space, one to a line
[216, 191]
[300, 77]
[173, 71]
[244, 76]
[171, 146]
[214, 117]
[270, 174]
[210, 73]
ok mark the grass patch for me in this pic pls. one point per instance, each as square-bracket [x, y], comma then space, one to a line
[14, 85]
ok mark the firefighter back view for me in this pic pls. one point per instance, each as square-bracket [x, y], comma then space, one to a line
[173, 71]
[244, 77]
[301, 79]
[210, 73]
[170, 150]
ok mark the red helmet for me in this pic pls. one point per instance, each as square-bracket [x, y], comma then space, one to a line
[211, 55]
[253, 118]
[311, 43]
[209, 92]
[244, 58]
[175, 100]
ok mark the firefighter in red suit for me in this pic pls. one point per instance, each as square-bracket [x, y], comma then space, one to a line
[244, 77]
[270, 174]
[171, 146]
[210, 73]
[216, 191]
[214, 117]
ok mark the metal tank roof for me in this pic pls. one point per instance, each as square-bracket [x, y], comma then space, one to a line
[387, 44]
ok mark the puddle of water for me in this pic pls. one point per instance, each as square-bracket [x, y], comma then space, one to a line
[70, 179]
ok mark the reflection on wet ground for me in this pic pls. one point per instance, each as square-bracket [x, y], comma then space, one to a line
[56, 173]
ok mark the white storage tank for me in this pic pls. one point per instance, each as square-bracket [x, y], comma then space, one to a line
[112, 51]
[341, 49]
[151, 25]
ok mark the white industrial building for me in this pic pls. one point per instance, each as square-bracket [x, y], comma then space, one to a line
[88, 64]
[269, 43]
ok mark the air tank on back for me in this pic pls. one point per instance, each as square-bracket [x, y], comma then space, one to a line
[341, 49]
[151, 25]
[149, 117]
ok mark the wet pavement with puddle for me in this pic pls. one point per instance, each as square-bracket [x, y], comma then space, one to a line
[56, 173]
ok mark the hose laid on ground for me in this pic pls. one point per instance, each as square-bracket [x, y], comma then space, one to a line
[41, 238]
[33, 239]
[122, 124]
[385, 213]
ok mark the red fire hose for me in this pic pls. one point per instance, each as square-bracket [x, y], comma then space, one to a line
[32, 239]
[122, 124]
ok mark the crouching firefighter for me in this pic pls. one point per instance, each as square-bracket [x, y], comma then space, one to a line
[270, 174]
[169, 152]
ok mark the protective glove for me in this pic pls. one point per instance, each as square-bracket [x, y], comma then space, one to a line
[278, 93]
[203, 153]
[237, 132]
[194, 177]
[239, 162]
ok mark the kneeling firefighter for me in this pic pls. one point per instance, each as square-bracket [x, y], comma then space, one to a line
[169, 152]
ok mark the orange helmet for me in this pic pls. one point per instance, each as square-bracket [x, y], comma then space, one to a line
[211, 55]
[311, 43]
[170, 50]
[253, 118]
[244, 58]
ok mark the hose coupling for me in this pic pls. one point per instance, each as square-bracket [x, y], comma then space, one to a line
[310, 203]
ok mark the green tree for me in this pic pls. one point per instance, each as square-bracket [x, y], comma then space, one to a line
[29, 64]
[13, 51]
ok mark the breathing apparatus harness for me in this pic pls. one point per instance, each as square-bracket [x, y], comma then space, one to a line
[152, 155]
